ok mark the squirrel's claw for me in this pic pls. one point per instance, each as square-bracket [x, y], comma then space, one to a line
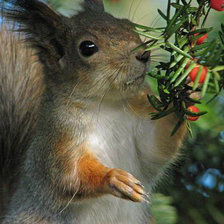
[124, 185]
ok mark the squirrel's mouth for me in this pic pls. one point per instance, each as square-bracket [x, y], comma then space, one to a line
[136, 79]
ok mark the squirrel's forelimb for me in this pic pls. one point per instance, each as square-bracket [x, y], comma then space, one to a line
[96, 179]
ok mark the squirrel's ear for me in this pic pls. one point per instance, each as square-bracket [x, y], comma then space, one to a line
[94, 4]
[43, 27]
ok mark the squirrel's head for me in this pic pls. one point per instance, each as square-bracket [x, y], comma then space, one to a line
[90, 54]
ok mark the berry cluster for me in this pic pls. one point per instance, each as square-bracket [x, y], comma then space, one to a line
[193, 75]
[195, 63]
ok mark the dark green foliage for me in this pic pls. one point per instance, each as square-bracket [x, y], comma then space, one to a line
[162, 210]
[171, 76]
[197, 187]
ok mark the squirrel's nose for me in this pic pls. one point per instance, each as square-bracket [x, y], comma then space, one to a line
[144, 57]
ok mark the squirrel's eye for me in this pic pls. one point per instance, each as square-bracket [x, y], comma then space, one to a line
[88, 48]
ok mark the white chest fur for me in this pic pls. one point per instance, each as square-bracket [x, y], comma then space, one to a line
[115, 138]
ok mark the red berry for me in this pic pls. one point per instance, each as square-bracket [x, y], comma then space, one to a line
[202, 39]
[217, 5]
[194, 110]
[194, 72]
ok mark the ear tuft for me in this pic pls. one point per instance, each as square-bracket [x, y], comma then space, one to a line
[96, 5]
[44, 28]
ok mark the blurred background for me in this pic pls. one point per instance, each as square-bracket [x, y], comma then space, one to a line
[193, 192]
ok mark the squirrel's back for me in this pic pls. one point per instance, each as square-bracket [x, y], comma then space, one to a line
[20, 90]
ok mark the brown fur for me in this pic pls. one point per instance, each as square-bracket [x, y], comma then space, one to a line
[140, 105]
[20, 89]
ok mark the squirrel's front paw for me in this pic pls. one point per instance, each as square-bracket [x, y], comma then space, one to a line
[122, 184]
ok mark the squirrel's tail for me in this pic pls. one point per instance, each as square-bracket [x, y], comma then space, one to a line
[20, 91]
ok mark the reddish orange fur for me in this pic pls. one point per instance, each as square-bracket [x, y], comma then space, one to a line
[91, 174]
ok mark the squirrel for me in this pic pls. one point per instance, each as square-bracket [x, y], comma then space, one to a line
[77, 142]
